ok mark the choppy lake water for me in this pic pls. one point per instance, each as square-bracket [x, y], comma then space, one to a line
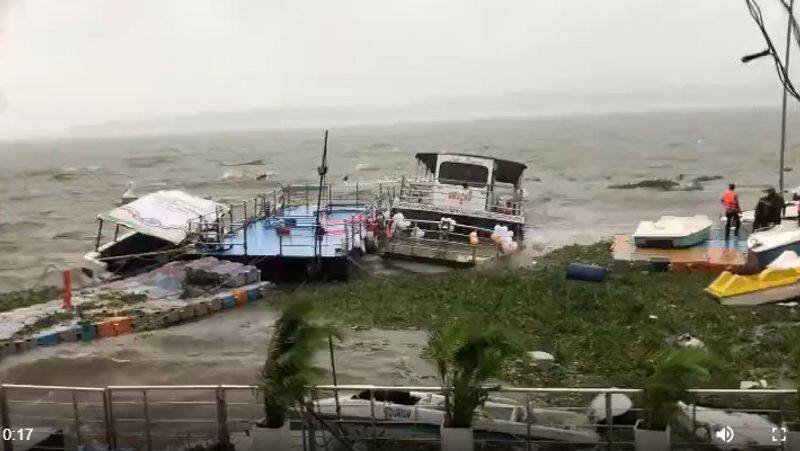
[51, 191]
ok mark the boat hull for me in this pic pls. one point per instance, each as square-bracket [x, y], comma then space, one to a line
[761, 297]
[764, 258]
[672, 242]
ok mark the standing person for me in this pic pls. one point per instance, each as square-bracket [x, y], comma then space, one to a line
[730, 202]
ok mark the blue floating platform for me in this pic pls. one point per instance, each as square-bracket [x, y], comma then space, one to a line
[285, 244]
[297, 238]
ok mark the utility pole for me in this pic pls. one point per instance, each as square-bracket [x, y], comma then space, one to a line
[785, 97]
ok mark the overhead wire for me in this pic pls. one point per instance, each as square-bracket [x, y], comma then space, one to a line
[781, 67]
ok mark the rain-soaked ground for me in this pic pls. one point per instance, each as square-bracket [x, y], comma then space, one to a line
[224, 348]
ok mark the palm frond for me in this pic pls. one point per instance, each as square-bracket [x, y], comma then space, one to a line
[288, 372]
[468, 354]
[677, 372]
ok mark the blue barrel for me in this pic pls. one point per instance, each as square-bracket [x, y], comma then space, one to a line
[589, 273]
[87, 332]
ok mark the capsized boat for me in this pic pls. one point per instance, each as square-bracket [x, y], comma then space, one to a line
[764, 246]
[673, 232]
[149, 230]
[460, 209]
[400, 413]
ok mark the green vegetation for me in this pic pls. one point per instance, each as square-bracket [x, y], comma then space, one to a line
[678, 371]
[468, 354]
[600, 333]
[288, 372]
[26, 298]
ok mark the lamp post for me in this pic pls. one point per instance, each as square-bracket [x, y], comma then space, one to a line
[770, 51]
[785, 96]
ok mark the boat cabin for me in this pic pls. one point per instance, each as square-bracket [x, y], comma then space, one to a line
[470, 183]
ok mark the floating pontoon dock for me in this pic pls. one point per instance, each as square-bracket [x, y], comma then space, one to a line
[286, 236]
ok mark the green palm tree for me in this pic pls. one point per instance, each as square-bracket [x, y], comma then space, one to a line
[288, 372]
[468, 354]
[679, 370]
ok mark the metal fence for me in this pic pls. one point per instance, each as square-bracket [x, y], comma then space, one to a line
[178, 417]
[211, 229]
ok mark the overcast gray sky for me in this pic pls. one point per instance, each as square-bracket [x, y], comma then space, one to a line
[65, 63]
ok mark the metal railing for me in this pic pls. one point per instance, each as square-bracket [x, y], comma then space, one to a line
[500, 199]
[451, 245]
[157, 417]
[211, 230]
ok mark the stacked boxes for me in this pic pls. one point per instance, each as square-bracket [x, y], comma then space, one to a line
[111, 327]
[214, 304]
[172, 317]
[186, 312]
[241, 297]
[68, 335]
[6, 348]
[46, 339]
[87, 332]
[254, 294]
[200, 309]
[114, 326]
[211, 271]
[228, 301]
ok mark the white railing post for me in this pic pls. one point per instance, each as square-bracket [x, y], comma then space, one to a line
[77, 416]
[609, 422]
[5, 421]
[108, 410]
[146, 413]
[222, 419]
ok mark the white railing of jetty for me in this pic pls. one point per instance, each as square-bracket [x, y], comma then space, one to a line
[92, 415]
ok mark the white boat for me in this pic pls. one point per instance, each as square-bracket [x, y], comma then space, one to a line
[765, 246]
[750, 431]
[400, 414]
[673, 232]
[147, 230]
[460, 209]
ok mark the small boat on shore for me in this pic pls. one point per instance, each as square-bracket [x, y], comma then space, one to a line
[460, 209]
[673, 232]
[750, 431]
[764, 246]
[400, 413]
[770, 285]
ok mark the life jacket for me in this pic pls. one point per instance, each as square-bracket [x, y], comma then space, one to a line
[730, 201]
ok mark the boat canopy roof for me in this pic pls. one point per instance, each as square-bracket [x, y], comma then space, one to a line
[505, 171]
[163, 214]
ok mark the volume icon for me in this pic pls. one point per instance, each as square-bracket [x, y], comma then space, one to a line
[725, 434]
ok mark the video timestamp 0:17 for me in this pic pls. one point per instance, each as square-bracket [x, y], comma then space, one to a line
[20, 434]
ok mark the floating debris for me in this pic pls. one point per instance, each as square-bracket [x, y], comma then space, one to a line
[542, 359]
[662, 184]
[256, 162]
[688, 341]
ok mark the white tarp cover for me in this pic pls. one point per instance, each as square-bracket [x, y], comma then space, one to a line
[163, 214]
[787, 260]
[672, 226]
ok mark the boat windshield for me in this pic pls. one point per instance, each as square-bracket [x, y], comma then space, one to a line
[392, 396]
[507, 413]
[462, 173]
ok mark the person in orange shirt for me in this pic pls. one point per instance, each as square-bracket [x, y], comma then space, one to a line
[730, 202]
